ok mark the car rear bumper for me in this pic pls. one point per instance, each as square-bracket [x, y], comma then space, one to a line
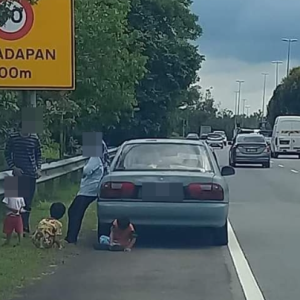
[288, 151]
[165, 214]
[252, 159]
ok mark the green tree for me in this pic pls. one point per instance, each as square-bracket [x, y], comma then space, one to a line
[286, 97]
[166, 29]
[109, 63]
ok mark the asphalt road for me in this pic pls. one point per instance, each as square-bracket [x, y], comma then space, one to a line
[265, 216]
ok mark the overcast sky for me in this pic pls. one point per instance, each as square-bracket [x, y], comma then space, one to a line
[240, 40]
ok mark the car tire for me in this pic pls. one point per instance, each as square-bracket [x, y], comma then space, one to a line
[267, 165]
[299, 156]
[221, 235]
[103, 229]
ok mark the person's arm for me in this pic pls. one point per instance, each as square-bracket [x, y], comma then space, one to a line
[58, 234]
[93, 164]
[8, 153]
[38, 154]
[132, 242]
[111, 236]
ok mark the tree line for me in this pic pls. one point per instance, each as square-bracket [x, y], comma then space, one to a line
[286, 97]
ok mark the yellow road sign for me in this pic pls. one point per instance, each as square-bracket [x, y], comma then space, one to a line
[37, 50]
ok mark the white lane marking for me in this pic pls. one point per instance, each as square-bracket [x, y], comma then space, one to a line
[248, 282]
[294, 171]
[280, 166]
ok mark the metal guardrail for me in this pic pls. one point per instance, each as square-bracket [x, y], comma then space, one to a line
[56, 169]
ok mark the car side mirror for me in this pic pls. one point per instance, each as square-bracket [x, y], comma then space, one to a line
[227, 171]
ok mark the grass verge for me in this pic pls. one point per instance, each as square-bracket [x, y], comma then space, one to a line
[19, 266]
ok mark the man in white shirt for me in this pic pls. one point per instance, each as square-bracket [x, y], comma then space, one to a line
[13, 221]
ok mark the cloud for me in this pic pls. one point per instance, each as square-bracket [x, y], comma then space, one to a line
[222, 74]
[240, 40]
[248, 30]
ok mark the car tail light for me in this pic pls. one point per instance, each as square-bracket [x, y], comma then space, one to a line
[205, 191]
[117, 190]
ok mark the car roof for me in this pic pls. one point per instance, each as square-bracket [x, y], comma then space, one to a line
[164, 141]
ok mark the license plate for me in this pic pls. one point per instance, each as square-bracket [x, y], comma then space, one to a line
[251, 150]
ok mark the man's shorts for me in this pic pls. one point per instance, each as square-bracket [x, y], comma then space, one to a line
[13, 223]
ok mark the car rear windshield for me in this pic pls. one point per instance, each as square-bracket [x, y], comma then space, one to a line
[150, 156]
[250, 139]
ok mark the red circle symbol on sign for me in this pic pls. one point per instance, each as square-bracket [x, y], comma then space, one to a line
[20, 23]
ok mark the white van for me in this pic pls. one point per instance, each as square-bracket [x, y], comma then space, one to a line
[286, 136]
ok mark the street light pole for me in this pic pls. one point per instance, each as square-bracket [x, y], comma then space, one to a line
[264, 94]
[247, 107]
[289, 41]
[277, 63]
[239, 99]
[244, 103]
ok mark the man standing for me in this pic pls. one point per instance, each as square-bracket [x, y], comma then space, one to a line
[23, 156]
[93, 172]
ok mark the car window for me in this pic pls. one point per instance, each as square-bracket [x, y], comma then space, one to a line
[155, 156]
[250, 139]
[266, 133]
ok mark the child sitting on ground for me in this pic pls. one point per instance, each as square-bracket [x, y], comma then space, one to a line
[13, 220]
[122, 236]
[49, 230]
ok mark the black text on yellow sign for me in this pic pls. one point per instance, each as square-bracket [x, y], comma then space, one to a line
[35, 51]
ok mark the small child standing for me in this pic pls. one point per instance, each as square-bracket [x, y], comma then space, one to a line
[122, 236]
[49, 230]
[13, 220]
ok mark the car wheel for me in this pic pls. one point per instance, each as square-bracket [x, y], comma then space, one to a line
[103, 229]
[221, 236]
[267, 165]
[299, 156]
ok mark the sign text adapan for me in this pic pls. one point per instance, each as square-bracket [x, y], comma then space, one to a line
[27, 54]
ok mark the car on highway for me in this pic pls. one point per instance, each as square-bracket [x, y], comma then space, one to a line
[223, 134]
[250, 149]
[286, 136]
[215, 140]
[193, 136]
[166, 182]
